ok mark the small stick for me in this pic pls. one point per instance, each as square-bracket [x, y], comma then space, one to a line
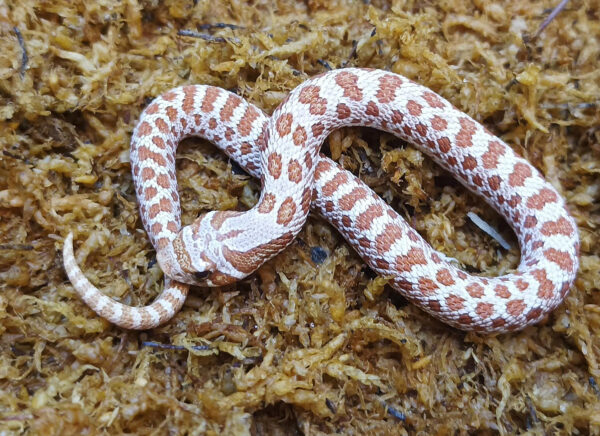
[206, 36]
[174, 347]
[219, 26]
[551, 17]
[24, 57]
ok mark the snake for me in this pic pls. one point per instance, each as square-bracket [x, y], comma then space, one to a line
[283, 150]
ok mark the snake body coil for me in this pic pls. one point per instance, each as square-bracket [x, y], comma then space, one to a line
[221, 247]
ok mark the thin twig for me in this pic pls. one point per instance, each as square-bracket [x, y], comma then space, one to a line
[324, 64]
[219, 26]
[24, 57]
[394, 412]
[174, 347]
[19, 247]
[206, 36]
[551, 17]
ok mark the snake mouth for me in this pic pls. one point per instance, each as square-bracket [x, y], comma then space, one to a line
[201, 275]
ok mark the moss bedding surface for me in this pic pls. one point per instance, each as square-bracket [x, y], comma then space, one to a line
[313, 343]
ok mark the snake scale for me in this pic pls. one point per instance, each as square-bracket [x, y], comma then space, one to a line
[283, 150]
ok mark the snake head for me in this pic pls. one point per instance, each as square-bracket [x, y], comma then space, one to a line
[181, 260]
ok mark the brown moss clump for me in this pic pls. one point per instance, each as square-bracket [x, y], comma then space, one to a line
[313, 343]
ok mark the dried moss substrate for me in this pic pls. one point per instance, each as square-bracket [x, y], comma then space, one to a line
[313, 343]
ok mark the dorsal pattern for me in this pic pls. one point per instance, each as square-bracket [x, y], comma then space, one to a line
[283, 150]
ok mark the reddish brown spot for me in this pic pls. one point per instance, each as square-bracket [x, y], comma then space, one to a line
[274, 165]
[444, 144]
[343, 111]
[152, 109]
[415, 256]
[491, 157]
[438, 123]
[347, 222]
[469, 163]
[163, 181]
[434, 100]
[308, 163]
[494, 182]
[317, 129]
[454, 302]
[386, 239]
[533, 314]
[462, 275]
[514, 201]
[284, 124]
[338, 180]
[323, 166]
[144, 153]
[538, 201]
[169, 95]
[465, 319]
[530, 222]
[245, 148]
[159, 142]
[149, 193]
[562, 226]
[521, 284]
[387, 88]
[561, 258]
[498, 322]
[414, 108]
[267, 203]
[421, 129]
[546, 287]
[307, 196]
[156, 228]
[484, 310]
[519, 175]
[348, 82]
[444, 277]
[144, 129]
[515, 307]
[502, 291]
[286, 211]
[413, 236]
[299, 136]
[475, 290]
[310, 96]
[162, 125]
[397, 117]
[465, 135]
[233, 101]
[434, 305]
[366, 218]
[188, 99]
[209, 99]
[245, 126]
[372, 109]
[295, 171]
[172, 226]
[348, 201]
[147, 173]
[427, 286]
[172, 113]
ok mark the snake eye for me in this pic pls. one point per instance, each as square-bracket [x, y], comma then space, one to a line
[201, 275]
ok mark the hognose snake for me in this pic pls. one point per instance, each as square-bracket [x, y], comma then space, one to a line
[283, 150]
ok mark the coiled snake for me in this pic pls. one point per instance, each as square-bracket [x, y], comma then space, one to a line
[283, 150]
